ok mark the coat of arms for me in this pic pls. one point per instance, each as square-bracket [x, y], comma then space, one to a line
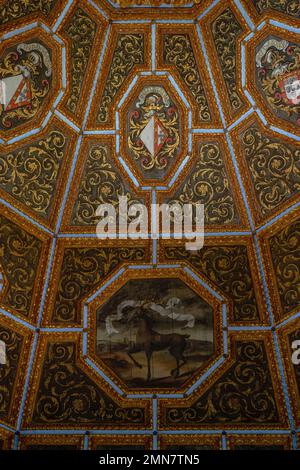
[290, 87]
[153, 129]
[25, 78]
[278, 74]
[15, 92]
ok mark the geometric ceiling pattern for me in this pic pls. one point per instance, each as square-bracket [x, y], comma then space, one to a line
[189, 102]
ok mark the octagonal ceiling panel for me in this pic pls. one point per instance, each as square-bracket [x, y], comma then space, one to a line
[157, 333]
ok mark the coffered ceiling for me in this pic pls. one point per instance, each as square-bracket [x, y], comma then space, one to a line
[175, 101]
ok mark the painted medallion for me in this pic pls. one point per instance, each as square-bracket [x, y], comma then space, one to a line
[153, 133]
[278, 77]
[25, 82]
[155, 333]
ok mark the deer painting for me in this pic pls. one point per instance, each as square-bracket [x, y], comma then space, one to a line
[149, 340]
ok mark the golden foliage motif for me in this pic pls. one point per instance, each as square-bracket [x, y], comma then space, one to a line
[100, 184]
[30, 174]
[67, 395]
[285, 251]
[243, 394]
[226, 30]
[19, 255]
[81, 29]
[14, 9]
[290, 7]
[178, 51]
[13, 342]
[208, 184]
[274, 168]
[129, 51]
[82, 269]
[228, 268]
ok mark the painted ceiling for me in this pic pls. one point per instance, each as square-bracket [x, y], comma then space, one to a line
[81, 86]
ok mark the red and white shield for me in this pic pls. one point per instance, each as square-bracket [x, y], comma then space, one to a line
[154, 135]
[15, 91]
[290, 87]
